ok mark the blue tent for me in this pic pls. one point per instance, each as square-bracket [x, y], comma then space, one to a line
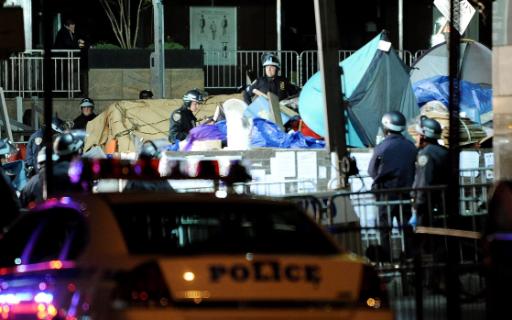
[374, 81]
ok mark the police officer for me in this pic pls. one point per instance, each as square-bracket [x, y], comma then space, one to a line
[67, 146]
[86, 114]
[432, 168]
[391, 167]
[145, 94]
[183, 119]
[149, 151]
[271, 81]
[33, 190]
[35, 143]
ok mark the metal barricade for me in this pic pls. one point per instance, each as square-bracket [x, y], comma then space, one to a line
[414, 265]
[22, 74]
[227, 69]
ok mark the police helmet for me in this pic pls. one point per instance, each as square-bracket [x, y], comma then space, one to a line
[149, 150]
[429, 128]
[145, 94]
[58, 125]
[41, 157]
[87, 103]
[69, 143]
[393, 121]
[192, 95]
[270, 59]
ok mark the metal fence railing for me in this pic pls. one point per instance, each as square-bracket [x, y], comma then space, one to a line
[413, 264]
[22, 74]
[227, 69]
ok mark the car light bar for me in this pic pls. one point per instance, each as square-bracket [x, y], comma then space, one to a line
[87, 170]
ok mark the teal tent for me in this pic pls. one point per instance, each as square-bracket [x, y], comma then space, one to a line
[374, 81]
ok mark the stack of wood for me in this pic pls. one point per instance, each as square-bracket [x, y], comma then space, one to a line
[470, 132]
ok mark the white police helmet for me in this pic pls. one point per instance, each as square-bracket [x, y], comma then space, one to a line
[270, 59]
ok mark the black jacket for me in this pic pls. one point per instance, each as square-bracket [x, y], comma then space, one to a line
[33, 191]
[80, 122]
[278, 85]
[66, 40]
[34, 145]
[182, 120]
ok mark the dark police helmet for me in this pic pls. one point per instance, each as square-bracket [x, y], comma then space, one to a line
[192, 95]
[69, 143]
[87, 103]
[394, 121]
[58, 125]
[145, 94]
[270, 59]
[429, 128]
[148, 151]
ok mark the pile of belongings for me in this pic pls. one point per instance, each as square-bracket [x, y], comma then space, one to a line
[470, 131]
[124, 122]
[264, 134]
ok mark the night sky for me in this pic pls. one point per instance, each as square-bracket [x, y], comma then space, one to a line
[358, 21]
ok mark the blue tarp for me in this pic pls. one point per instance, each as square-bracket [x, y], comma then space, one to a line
[475, 100]
[263, 134]
[260, 108]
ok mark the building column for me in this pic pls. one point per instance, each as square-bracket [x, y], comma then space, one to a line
[502, 88]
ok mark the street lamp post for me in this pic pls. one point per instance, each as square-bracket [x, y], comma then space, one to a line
[158, 56]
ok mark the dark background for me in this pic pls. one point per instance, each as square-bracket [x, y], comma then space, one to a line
[256, 22]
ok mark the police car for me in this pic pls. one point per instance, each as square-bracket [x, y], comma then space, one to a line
[180, 256]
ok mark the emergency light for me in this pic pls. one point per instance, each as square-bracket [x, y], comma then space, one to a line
[86, 170]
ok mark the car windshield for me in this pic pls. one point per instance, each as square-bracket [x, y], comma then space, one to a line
[213, 228]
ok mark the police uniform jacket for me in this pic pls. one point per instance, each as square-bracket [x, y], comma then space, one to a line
[278, 85]
[432, 168]
[182, 121]
[392, 163]
[34, 145]
[80, 122]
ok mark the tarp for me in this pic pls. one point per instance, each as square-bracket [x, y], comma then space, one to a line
[374, 81]
[475, 63]
[475, 100]
[147, 119]
[260, 108]
[264, 134]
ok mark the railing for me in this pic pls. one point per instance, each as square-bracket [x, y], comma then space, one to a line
[22, 74]
[227, 69]
[413, 265]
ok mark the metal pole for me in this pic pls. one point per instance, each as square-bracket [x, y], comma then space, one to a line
[158, 70]
[401, 28]
[278, 24]
[452, 283]
[48, 76]
[327, 40]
